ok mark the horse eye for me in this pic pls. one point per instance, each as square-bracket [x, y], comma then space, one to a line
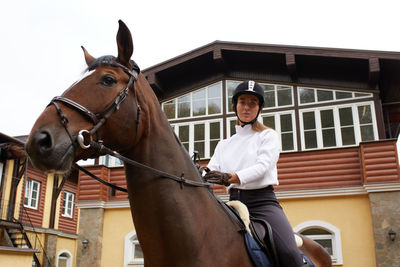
[107, 80]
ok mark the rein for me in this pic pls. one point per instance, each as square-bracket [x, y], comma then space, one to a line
[99, 119]
[105, 150]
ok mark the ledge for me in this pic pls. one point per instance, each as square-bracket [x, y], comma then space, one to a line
[19, 250]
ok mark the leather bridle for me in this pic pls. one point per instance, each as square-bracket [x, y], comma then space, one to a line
[100, 118]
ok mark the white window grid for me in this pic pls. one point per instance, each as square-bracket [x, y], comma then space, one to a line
[110, 161]
[1, 171]
[334, 236]
[353, 95]
[277, 87]
[338, 136]
[190, 95]
[130, 259]
[64, 258]
[32, 196]
[207, 139]
[277, 126]
[68, 204]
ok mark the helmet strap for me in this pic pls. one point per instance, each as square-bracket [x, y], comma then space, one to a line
[247, 122]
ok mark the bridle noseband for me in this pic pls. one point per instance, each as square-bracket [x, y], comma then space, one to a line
[100, 118]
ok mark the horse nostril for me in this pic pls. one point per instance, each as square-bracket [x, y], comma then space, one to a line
[44, 141]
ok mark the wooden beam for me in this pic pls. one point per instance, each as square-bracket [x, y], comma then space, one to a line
[56, 192]
[291, 65]
[155, 83]
[374, 70]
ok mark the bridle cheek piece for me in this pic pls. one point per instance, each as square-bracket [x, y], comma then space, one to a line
[98, 119]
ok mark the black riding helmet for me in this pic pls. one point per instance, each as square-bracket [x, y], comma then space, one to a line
[248, 87]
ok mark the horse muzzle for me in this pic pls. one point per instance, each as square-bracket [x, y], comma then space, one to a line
[50, 152]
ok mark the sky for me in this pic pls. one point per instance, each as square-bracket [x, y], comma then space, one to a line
[40, 41]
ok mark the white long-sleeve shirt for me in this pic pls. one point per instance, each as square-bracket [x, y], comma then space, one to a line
[251, 155]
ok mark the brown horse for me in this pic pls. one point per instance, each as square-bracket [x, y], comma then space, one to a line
[176, 225]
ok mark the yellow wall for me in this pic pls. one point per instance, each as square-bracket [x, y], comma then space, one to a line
[15, 258]
[350, 214]
[64, 243]
[47, 201]
[117, 224]
[7, 182]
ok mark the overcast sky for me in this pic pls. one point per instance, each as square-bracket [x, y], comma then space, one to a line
[41, 39]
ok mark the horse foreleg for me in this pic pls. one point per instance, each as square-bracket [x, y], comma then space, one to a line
[315, 252]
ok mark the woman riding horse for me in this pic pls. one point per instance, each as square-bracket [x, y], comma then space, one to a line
[114, 106]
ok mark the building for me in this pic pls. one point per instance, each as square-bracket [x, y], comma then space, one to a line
[38, 222]
[338, 114]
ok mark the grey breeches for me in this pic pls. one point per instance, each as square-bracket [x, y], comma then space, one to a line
[262, 203]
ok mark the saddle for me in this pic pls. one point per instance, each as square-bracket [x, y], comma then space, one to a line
[262, 232]
[259, 229]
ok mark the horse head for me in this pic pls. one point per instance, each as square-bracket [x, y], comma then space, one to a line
[91, 108]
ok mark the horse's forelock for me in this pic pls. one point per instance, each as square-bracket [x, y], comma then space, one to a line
[109, 61]
[101, 61]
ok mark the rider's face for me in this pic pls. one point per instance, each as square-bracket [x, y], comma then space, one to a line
[247, 107]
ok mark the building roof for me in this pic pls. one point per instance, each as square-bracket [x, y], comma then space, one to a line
[314, 66]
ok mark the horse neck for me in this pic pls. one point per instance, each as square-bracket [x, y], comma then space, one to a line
[172, 220]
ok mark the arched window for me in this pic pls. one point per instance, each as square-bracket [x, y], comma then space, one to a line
[64, 259]
[326, 235]
[133, 255]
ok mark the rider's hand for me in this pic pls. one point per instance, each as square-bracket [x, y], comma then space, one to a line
[217, 177]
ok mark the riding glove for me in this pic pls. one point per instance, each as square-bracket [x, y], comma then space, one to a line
[217, 177]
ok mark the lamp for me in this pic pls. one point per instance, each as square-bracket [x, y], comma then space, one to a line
[85, 243]
[392, 234]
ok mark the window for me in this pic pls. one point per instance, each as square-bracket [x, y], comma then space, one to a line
[327, 235]
[284, 124]
[31, 194]
[1, 171]
[337, 126]
[202, 136]
[133, 254]
[274, 95]
[314, 95]
[202, 102]
[64, 259]
[110, 161]
[68, 204]
[326, 124]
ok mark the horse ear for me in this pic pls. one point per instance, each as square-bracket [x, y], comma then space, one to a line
[125, 44]
[88, 58]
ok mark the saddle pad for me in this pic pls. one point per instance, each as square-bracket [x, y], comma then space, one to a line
[256, 253]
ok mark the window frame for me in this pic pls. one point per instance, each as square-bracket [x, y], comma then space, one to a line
[277, 117]
[278, 129]
[30, 192]
[190, 95]
[334, 91]
[337, 254]
[131, 241]
[207, 155]
[338, 136]
[64, 211]
[276, 89]
[1, 171]
[68, 258]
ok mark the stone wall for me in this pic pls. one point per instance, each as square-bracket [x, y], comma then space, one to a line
[91, 228]
[385, 209]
